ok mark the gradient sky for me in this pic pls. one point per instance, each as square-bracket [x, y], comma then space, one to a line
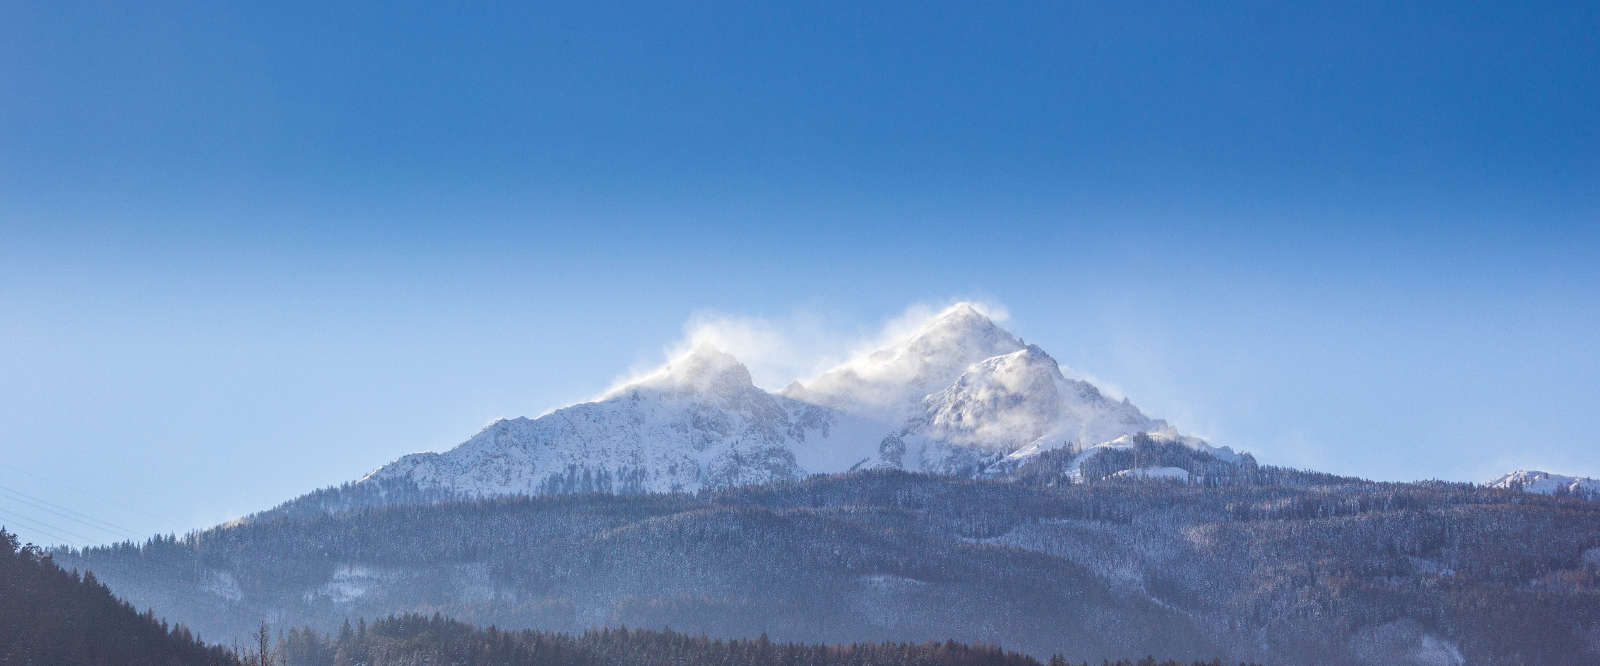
[246, 252]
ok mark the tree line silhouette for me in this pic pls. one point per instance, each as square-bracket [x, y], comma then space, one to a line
[52, 616]
[417, 639]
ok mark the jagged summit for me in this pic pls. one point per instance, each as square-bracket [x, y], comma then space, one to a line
[696, 422]
[957, 395]
[958, 328]
[998, 403]
[1016, 400]
[703, 369]
[889, 383]
[1030, 356]
[964, 314]
[1545, 483]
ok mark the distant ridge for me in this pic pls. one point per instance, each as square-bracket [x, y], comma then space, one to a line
[1545, 483]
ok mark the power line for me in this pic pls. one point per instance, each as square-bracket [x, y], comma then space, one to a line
[69, 514]
[79, 514]
[37, 530]
[47, 529]
[12, 514]
[52, 524]
[21, 513]
[58, 483]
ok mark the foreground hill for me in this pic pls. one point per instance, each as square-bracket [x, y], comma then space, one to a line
[414, 639]
[51, 616]
[1304, 569]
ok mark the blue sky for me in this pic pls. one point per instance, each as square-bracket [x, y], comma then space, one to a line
[247, 252]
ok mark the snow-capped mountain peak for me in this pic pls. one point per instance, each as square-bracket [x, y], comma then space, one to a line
[890, 383]
[1014, 400]
[696, 422]
[957, 395]
[959, 331]
[1545, 483]
[703, 369]
[999, 402]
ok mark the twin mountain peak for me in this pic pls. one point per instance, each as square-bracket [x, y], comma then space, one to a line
[960, 395]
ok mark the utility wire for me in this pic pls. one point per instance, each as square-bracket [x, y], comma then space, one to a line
[47, 529]
[79, 514]
[63, 512]
[67, 486]
[35, 531]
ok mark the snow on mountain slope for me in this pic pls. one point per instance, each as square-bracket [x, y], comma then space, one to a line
[959, 396]
[697, 422]
[1021, 399]
[889, 384]
[1164, 435]
[1177, 474]
[1545, 483]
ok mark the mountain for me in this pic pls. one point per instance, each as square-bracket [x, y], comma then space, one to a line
[697, 422]
[969, 398]
[959, 395]
[1545, 483]
[890, 383]
[1014, 406]
[1023, 397]
[956, 483]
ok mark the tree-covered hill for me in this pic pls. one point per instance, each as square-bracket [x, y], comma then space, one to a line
[1297, 570]
[52, 616]
[416, 639]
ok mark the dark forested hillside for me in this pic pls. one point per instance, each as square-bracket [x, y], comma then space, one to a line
[52, 616]
[1307, 569]
[415, 639]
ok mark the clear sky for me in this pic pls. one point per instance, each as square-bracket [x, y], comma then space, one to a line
[246, 252]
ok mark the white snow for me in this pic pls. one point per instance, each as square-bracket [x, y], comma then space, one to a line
[1166, 434]
[956, 396]
[1178, 474]
[1404, 641]
[350, 582]
[222, 584]
[1021, 402]
[697, 422]
[889, 384]
[890, 582]
[1545, 483]
[1436, 651]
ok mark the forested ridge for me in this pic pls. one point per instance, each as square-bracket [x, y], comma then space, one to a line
[416, 639]
[1306, 567]
[52, 616]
